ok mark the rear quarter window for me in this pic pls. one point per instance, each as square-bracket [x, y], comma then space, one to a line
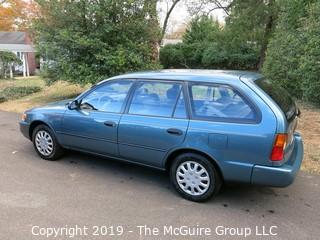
[220, 103]
[280, 96]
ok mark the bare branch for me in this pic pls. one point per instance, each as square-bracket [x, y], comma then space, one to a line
[220, 6]
[206, 7]
[168, 14]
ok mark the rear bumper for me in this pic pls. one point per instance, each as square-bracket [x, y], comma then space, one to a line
[24, 128]
[281, 176]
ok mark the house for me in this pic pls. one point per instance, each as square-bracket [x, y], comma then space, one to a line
[20, 44]
[168, 41]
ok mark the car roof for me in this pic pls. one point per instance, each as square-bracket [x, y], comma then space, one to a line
[193, 75]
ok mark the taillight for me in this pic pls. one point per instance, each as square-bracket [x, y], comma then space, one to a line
[279, 145]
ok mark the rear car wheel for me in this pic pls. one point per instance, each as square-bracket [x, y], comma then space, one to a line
[195, 177]
[45, 143]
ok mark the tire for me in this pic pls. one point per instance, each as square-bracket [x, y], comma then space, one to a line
[195, 184]
[54, 151]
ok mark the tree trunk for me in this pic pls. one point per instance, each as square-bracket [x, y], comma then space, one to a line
[150, 8]
[166, 20]
[267, 34]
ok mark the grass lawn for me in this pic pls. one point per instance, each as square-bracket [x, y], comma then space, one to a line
[309, 127]
[309, 123]
[58, 91]
[22, 82]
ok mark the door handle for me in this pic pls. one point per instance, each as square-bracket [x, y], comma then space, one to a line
[110, 124]
[174, 131]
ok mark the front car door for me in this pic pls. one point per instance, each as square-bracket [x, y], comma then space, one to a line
[94, 126]
[154, 122]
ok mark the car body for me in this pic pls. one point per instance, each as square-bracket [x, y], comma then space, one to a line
[228, 120]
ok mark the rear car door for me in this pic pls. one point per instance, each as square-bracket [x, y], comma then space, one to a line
[154, 122]
[94, 126]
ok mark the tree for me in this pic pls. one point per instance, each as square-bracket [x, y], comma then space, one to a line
[16, 14]
[7, 60]
[246, 34]
[203, 29]
[309, 62]
[252, 21]
[85, 41]
[206, 45]
[293, 52]
[196, 8]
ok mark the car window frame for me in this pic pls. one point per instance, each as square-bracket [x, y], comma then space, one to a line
[182, 90]
[97, 86]
[235, 89]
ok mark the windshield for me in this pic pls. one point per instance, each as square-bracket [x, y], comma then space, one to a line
[280, 96]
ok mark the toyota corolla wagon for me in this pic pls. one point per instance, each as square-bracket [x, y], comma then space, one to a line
[204, 127]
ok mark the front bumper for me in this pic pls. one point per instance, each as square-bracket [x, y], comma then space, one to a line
[281, 176]
[24, 128]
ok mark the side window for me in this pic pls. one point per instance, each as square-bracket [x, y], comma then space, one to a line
[155, 99]
[180, 111]
[109, 97]
[213, 102]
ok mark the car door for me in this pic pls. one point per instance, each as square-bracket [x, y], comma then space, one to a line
[154, 122]
[94, 126]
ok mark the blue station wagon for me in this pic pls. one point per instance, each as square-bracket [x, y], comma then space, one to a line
[204, 127]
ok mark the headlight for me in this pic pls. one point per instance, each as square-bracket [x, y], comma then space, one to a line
[24, 117]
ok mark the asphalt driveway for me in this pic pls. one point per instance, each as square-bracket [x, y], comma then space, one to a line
[105, 197]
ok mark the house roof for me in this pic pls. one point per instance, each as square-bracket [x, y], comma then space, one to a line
[12, 37]
[170, 41]
[14, 41]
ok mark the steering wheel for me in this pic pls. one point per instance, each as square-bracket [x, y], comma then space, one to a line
[87, 106]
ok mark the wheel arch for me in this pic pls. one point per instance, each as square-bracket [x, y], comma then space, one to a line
[36, 123]
[172, 155]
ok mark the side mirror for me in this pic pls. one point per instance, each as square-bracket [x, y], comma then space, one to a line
[74, 105]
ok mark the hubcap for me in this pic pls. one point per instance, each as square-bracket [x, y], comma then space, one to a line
[193, 178]
[44, 143]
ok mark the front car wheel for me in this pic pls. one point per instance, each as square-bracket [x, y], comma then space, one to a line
[45, 143]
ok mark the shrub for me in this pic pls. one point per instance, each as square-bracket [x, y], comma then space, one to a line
[293, 54]
[49, 73]
[11, 93]
[207, 45]
[6, 59]
[171, 56]
[114, 37]
[207, 55]
[309, 62]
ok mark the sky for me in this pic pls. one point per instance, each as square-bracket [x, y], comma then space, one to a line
[180, 15]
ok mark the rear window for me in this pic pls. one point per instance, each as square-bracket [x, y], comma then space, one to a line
[280, 96]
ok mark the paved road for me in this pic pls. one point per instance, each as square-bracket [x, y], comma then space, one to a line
[87, 191]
